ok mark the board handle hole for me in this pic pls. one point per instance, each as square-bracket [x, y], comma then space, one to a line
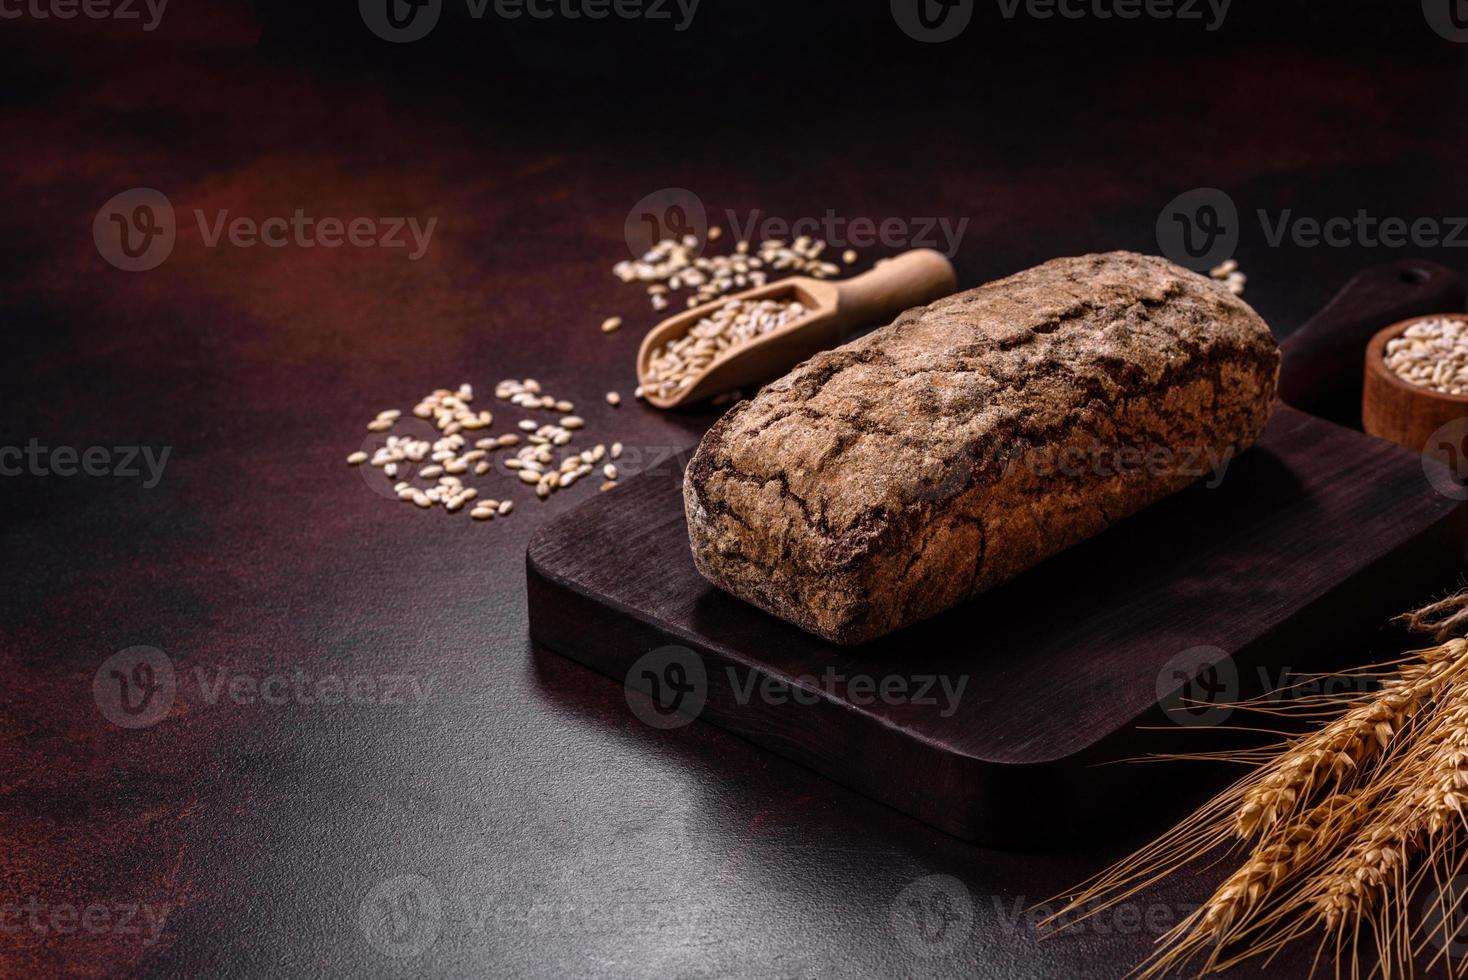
[1414, 276]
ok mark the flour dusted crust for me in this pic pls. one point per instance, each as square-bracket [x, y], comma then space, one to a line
[882, 482]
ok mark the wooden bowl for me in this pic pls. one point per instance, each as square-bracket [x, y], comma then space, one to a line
[1404, 413]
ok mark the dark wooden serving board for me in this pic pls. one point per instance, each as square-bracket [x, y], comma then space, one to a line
[1315, 536]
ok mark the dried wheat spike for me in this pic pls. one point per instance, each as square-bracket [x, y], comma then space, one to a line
[1433, 786]
[1277, 860]
[1338, 751]
[1341, 825]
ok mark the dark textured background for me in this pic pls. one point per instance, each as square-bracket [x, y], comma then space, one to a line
[565, 837]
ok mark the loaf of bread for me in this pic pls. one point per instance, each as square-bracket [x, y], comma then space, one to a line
[887, 480]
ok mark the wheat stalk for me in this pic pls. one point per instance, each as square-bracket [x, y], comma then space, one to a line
[1335, 821]
[1369, 880]
[1234, 909]
[1275, 791]
[1294, 848]
[1339, 750]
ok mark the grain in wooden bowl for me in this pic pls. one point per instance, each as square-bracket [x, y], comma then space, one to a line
[1415, 391]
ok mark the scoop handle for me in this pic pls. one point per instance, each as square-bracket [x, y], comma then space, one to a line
[911, 279]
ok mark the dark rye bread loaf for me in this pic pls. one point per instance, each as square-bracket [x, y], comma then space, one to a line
[889, 479]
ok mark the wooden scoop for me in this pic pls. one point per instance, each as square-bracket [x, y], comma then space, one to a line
[833, 309]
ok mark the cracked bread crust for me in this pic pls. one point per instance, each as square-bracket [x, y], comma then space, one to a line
[892, 478]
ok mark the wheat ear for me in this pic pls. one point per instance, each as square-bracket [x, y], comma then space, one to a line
[1279, 891]
[1338, 751]
[1369, 881]
[1232, 911]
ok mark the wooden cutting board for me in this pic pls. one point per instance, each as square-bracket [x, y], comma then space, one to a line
[989, 721]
